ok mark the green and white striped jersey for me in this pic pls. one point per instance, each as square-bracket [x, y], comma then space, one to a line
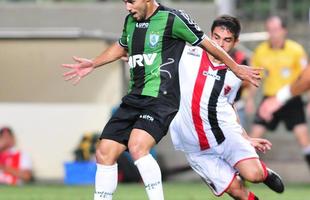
[155, 46]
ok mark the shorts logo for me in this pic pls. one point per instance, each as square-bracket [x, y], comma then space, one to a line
[147, 117]
[154, 38]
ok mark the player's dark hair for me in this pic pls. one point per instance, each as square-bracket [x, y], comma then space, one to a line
[229, 22]
[6, 129]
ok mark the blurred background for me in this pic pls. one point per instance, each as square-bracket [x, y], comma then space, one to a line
[50, 116]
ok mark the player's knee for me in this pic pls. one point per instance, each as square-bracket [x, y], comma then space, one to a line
[255, 175]
[137, 150]
[105, 156]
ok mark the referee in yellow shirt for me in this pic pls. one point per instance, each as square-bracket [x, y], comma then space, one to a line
[283, 60]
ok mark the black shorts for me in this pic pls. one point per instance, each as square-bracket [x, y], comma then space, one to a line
[150, 114]
[292, 114]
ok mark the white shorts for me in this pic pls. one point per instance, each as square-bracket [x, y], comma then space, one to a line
[216, 165]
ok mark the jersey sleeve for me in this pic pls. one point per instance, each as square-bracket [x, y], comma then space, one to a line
[186, 29]
[123, 40]
[301, 59]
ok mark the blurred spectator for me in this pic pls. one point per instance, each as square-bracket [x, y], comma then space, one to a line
[87, 147]
[283, 61]
[15, 166]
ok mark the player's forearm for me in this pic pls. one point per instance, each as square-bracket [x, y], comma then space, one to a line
[114, 52]
[302, 84]
[216, 51]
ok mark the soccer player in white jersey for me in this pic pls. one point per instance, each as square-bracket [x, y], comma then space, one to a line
[206, 127]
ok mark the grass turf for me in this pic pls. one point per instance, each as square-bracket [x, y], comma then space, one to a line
[173, 191]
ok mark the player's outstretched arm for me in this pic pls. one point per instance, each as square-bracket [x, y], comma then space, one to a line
[302, 84]
[242, 71]
[84, 66]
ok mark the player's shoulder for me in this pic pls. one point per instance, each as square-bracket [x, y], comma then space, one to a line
[176, 12]
[129, 18]
[293, 46]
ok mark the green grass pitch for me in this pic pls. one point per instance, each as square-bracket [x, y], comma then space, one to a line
[173, 191]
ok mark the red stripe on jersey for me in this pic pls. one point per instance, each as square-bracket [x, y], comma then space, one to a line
[197, 93]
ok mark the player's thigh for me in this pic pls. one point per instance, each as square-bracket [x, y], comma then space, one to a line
[213, 170]
[120, 125]
[293, 113]
[140, 143]
[155, 120]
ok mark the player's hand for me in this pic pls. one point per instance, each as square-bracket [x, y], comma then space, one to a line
[260, 144]
[81, 68]
[249, 74]
[125, 58]
[268, 107]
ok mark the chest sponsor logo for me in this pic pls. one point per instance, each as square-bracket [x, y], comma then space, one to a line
[140, 59]
[216, 77]
[142, 25]
[154, 39]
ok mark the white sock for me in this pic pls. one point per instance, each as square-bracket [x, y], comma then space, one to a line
[151, 176]
[106, 182]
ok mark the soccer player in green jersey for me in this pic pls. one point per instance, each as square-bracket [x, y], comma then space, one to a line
[154, 37]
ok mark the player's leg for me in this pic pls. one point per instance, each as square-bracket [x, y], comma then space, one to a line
[237, 190]
[140, 144]
[302, 135]
[218, 174]
[295, 120]
[241, 155]
[114, 138]
[107, 154]
[151, 126]
[255, 171]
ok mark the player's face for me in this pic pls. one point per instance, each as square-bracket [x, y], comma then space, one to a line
[137, 8]
[277, 33]
[223, 37]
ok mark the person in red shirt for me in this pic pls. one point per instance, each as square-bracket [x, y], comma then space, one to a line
[15, 166]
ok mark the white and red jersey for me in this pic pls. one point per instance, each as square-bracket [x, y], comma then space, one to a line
[15, 159]
[206, 116]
